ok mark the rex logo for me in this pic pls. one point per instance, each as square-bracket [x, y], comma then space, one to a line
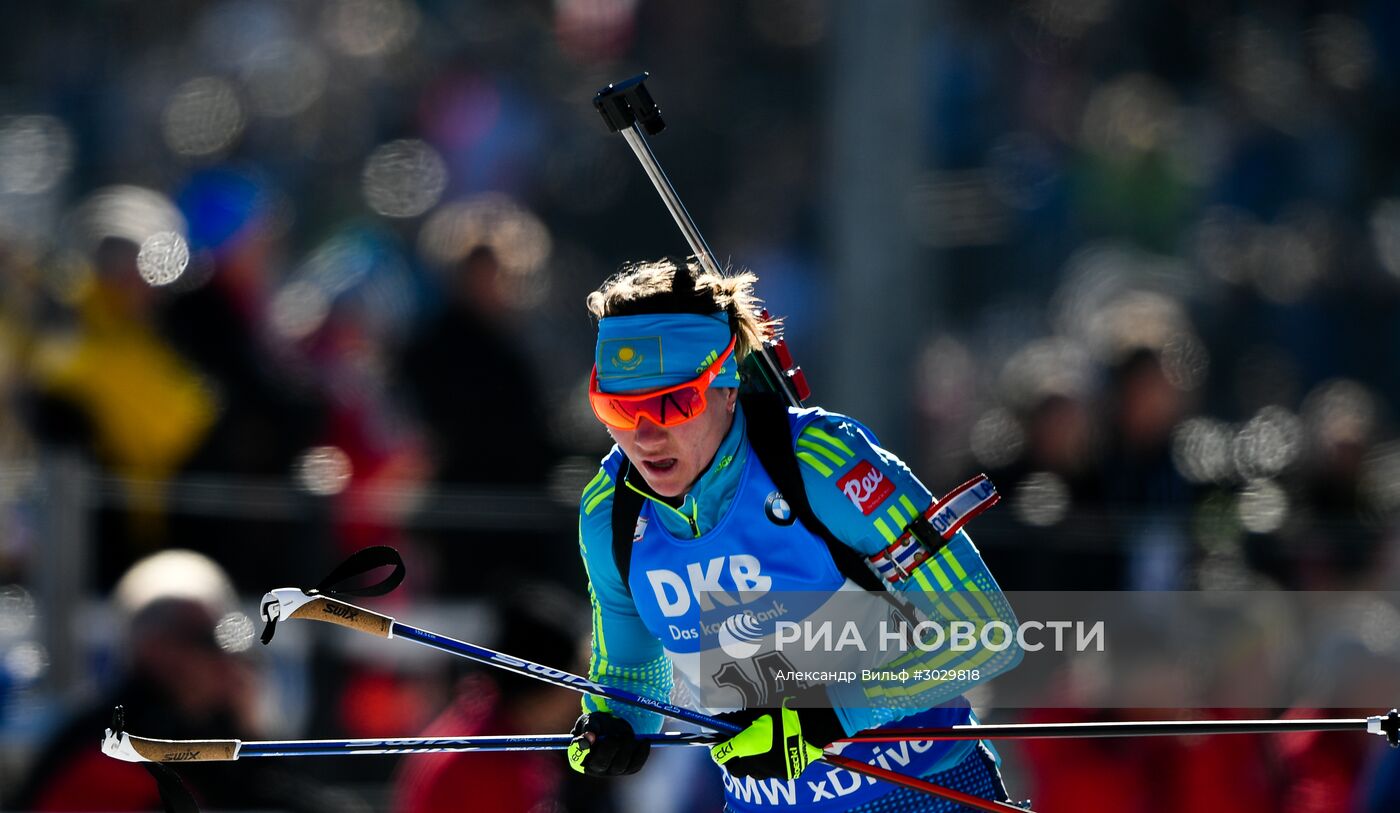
[703, 582]
[865, 486]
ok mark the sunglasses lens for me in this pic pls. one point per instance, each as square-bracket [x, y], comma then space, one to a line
[664, 409]
[680, 406]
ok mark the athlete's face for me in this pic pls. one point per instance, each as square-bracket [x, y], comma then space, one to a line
[671, 459]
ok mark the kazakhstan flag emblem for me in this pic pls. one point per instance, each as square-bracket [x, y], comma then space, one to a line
[632, 357]
[627, 358]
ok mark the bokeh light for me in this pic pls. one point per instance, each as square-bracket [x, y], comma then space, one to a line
[1377, 624]
[18, 611]
[36, 153]
[163, 257]
[404, 178]
[234, 632]
[203, 117]
[27, 661]
[1042, 499]
[1201, 450]
[997, 438]
[1340, 412]
[1268, 444]
[323, 470]
[1263, 507]
[1185, 361]
[1130, 115]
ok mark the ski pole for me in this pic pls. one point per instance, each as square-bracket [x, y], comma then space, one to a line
[627, 108]
[155, 754]
[315, 605]
[128, 747]
[1387, 726]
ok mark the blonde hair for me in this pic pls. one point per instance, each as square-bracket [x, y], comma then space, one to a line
[651, 287]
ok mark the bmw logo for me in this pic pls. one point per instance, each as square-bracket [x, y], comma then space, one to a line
[778, 509]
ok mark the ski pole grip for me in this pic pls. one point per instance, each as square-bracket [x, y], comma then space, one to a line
[123, 746]
[290, 602]
[185, 750]
[333, 611]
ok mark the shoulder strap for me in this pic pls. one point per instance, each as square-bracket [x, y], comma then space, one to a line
[770, 436]
[626, 508]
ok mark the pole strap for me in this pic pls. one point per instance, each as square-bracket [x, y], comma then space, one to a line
[357, 564]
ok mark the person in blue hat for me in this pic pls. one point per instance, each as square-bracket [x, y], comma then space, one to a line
[709, 528]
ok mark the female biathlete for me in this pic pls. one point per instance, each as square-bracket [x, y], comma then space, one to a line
[705, 527]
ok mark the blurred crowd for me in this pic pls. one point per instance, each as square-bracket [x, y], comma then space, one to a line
[279, 280]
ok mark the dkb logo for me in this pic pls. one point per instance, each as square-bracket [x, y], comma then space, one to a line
[673, 593]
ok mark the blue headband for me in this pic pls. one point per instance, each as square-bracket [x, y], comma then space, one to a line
[654, 350]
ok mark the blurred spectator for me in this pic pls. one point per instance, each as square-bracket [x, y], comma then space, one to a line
[472, 384]
[107, 382]
[368, 456]
[487, 421]
[186, 677]
[89, 371]
[1140, 478]
[1053, 484]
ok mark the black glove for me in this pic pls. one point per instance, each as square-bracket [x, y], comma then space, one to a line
[776, 743]
[605, 745]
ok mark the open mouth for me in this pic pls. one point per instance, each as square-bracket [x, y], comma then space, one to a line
[661, 465]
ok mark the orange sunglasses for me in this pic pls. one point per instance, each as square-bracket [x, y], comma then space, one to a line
[671, 406]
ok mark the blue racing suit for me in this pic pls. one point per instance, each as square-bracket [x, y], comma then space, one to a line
[726, 544]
